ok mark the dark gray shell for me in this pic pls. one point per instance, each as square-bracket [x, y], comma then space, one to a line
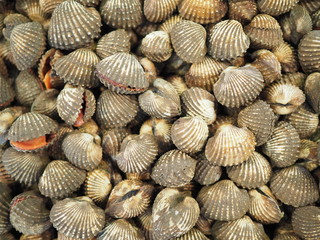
[46, 103]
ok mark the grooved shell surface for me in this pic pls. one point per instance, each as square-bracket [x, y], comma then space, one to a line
[5, 198]
[206, 173]
[242, 10]
[287, 56]
[112, 140]
[6, 92]
[276, 8]
[312, 88]
[159, 10]
[46, 103]
[193, 234]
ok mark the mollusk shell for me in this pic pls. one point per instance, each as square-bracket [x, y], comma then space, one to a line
[287, 57]
[310, 5]
[207, 173]
[178, 83]
[46, 103]
[112, 140]
[276, 8]
[167, 25]
[296, 79]
[30, 8]
[6, 92]
[159, 10]
[312, 87]
[11, 21]
[5, 198]
[204, 225]
[242, 10]
[144, 221]
[48, 6]
[194, 234]
[89, 3]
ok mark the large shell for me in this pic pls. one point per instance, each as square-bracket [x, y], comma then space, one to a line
[73, 26]
[83, 150]
[312, 88]
[309, 52]
[203, 11]
[116, 110]
[130, 78]
[28, 213]
[78, 67]
[77, 217]
[259, 119]
[60, 179]
[27, 43]
[207, 173]
[238, 86]
[223, 201]
[294, 186]
[227, 40]
[174, 213]
[306, 222]
[159, 10]
[230, 145]
[6, 92]
[5, 198]
[112, 140]
[242, 10]
[174, 169]
[276, 8]
[287, 57]
[46, 103]
[189, 41]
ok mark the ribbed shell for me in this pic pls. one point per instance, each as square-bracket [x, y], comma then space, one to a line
[5, 198]
[259, 119]
[112, 140]
[156, 46]
[116, 110]
[121, 13]
[193, 234]
[308, 150]
[83, 150]
[60, 179]
[310, 5]
[89, 3]
[24, 167]
[78, 67]
[242, 10]
[309, 52]
[264, 206]
[129, 79]
[297, 79]
[230, 146]
[189, 41]
[48, 6]
[238, 86]
[30, 8]
[287, 57]
[306, 222]
[5, 177]
[204, 225]
[254, 172]
[203, 11]
[46, 103]
[223, 201]
[167, 25]
[120, 229]
[10, 21]
[264, 32]
[174, 213]
[206, 173]
[205, 73]
[113, 42]
[77, 217]
[283, 146]
[189, 134]
[286, 236]
[159, 10]
[73, 26]
[276, 8]
[27, 43]
[174, 169]
[28, 213]
[241, 229]
[294, 186]
[312, 88]
[144, 221]
[227, 40]
[6, 92]
[199, 102]
[72, 101]
[316, 20]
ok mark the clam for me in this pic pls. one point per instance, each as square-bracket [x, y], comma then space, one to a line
[238, 86]
[312, 87]
[310, 5]
[167, 25]
[308, 150]
[5, 177]
[194, 233]
[316, 20]
[47, 6]
[287, 57]
[5, 51]
[276, 8]
[144, 221]
[294, 186]
[296, 79]
[54, 150]
[242, 10]
[77, 217]
[204, 225]
[112, 140]
[5, 199]
[178, 83]
[174, 213]
[158, 11]
[60, 179]
[89, 3]
[32, 9]
[6, 92]
[207, 173]
[144, 29]
[11, 21]
[46, 103]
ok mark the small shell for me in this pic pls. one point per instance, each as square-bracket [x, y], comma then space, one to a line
[48, 6]
[73, 26]
[83, 149]
[174, 213]
[242, 10]
[193, 234]
[5, 199]
[259, 118]
[283, 98]
[6, 92]
[60, 179]
[128, 199]
[54, 150]
[309, 52]
[129, 79]
[78, 67]
[46, 103]
[199, 102]
[77, 217]
[230, 146]
[294, 186]
[312, 88]
[113, 42]
[203, 12]
[227, 40]
[189, 41]
[27, 43]
[306, 222]
[223, 201]
[11, 21]
[283, 146]
[276, 8]
[121, 14]
[207, 173]
[167, 25]
[116, 110]
[238, 86]
[174, 169]
[112, 140]
[287, 57]
[264, 206]
[264, 32]
[159, 10]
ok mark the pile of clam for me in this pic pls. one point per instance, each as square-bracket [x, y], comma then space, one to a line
[159, 119]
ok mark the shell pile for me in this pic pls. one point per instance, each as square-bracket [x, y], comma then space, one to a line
[159, 119]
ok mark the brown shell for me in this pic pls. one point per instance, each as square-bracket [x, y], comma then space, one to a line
[32, 9]
[89, 3]
[10, 21]
[296, 79]
[47, 235]
[60, 179]
[189, 41]
[48, 6]
[242, 10]
[203, 12]
[308, 150]
[54, 150]
[316, 20]
[310, 5]
[276, 8]
[46, 103]
[194, 234]
[6, 92]
[204, 225]
[77, 217]
[294, 186]
[159, 10]
[5, 51]
[207, 173]
[178, 83]
[174, 169]
[312, 88]
[5, 177]
[223, 201]
[287, 57]
[167, 25]
[144, 221]
[5, 199]
[112, 140]
[27, 43]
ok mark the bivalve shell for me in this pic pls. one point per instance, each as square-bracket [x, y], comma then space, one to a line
[6, 92]
[48, 6]
[310, 5]
[159, 10]
[316, 20]
[167, 25]
[287, 57]
[312, 88]
[242, 10]
[193, 234]
[112, 139]
[32, 9]
[207, 173]
[54, 150]
[296, 79]
[11, 21]
[144, 221]
[89, 3]
[46, 103]
[276, 8]
[5, 199]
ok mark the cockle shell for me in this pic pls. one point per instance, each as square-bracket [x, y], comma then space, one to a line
[276, 8]
[242, 10]
[316, 20]
[112, 140]
[194, 234]
[4, 175]
[206, 173]
[144, 221]
[46, 103]
[47, 6]
[6, 92]
[5, 199]
[178, 83]
[296, 79]
[89, 3]
[308, 150]
[32, 9]
[310, 5]
[287, 57]
[11, 21]
[167, 25]
[312, 87]
[204, 225]
[47, 235]
[158, 11]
